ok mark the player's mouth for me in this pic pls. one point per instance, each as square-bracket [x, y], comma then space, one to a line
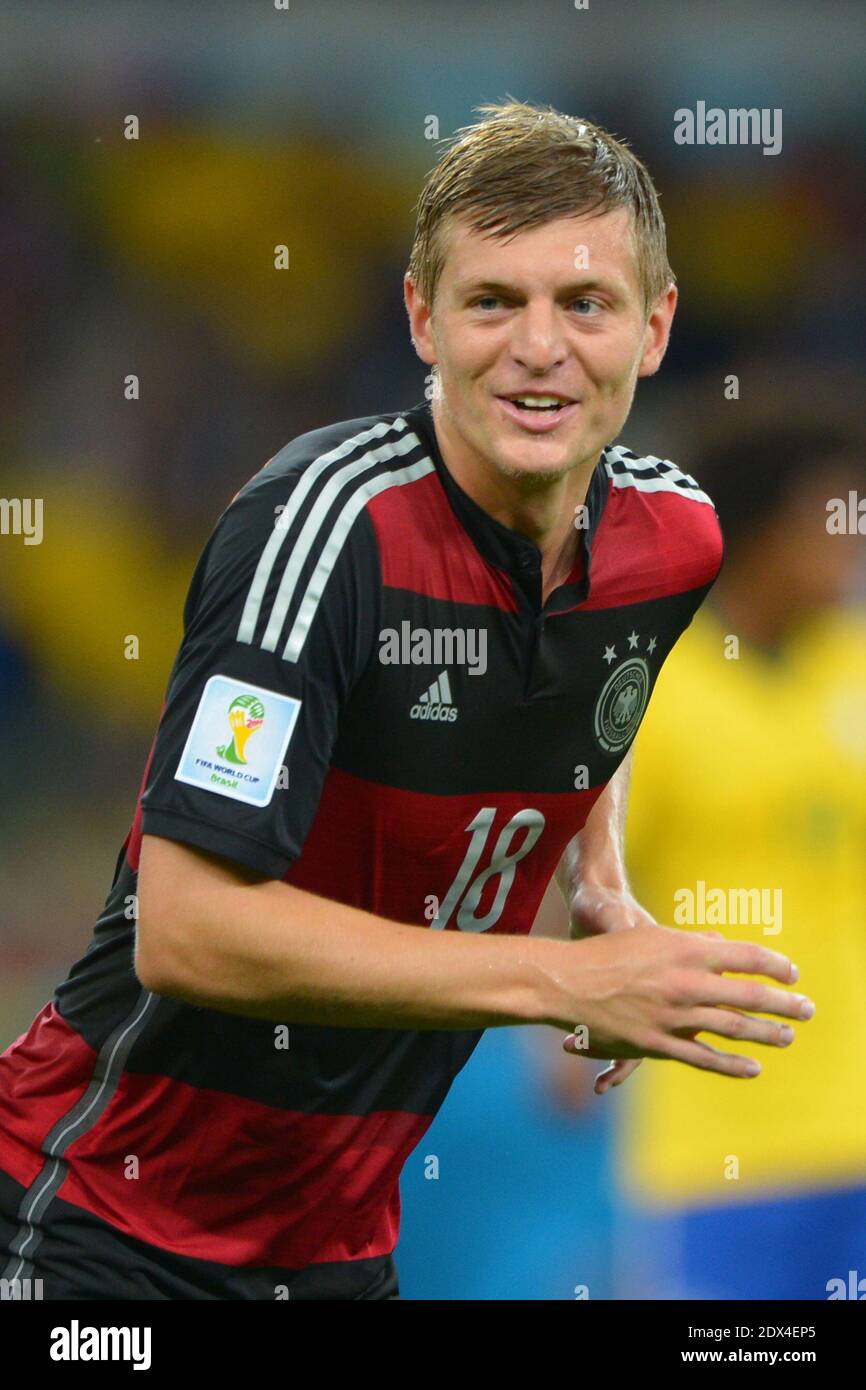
[538, 412]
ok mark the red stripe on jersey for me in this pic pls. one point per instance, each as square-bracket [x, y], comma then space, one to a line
[40, 1082]
[423, 548]
[231, 1180]
[132, 843]
[365, 835]
[651, 544]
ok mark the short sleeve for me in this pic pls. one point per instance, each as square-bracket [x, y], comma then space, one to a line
[279, 624]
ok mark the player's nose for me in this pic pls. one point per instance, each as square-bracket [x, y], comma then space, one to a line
[538, 340]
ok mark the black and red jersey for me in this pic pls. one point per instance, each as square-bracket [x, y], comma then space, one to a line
[371, 702]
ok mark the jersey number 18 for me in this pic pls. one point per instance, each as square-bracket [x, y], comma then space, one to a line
[467, 890]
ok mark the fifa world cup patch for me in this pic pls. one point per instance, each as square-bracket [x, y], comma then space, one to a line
[238, 740]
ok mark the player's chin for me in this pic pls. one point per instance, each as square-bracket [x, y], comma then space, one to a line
[543, 463]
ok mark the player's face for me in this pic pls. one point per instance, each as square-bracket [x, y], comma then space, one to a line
[557, 310]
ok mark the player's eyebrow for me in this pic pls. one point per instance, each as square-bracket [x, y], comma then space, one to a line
[463, 288]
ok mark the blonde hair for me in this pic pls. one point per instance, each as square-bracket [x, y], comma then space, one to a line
[524, 165]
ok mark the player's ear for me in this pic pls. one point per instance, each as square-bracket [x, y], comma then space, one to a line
[419, 322]
[658, 331]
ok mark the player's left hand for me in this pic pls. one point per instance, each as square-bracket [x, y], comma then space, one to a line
[594, 910]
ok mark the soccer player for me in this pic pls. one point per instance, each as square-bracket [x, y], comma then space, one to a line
[745, 1192]
[417, 647]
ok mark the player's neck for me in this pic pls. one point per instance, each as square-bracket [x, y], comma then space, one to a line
[544, 513]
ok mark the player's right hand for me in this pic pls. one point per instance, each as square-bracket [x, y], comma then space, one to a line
[648, 992]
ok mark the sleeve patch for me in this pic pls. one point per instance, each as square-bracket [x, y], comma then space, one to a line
[238, 740]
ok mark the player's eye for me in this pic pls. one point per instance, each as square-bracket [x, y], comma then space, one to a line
[593, 304]
[586, 310]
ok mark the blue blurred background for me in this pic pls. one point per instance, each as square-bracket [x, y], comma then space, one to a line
[154, 256]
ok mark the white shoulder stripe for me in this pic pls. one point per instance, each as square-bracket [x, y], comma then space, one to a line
[313, 525]
[658, 475]
[337, 539]
[694, 494]
[271, 550]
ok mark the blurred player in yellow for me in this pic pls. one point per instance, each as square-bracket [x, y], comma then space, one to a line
[750, 774]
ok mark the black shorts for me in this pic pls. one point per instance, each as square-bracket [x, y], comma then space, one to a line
[77, 1256]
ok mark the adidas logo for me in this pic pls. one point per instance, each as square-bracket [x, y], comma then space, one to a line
[435, 703]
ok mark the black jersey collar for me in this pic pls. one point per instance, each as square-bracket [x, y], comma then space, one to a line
[501, 546]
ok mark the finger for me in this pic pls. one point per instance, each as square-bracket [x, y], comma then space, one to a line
[625, 1066]
[752, 997]
[704, 1057]
[746, 958]
[616, 1074]
[731, 1024]
[603, 1080]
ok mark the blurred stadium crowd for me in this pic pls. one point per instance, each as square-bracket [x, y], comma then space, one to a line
[154, 257]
